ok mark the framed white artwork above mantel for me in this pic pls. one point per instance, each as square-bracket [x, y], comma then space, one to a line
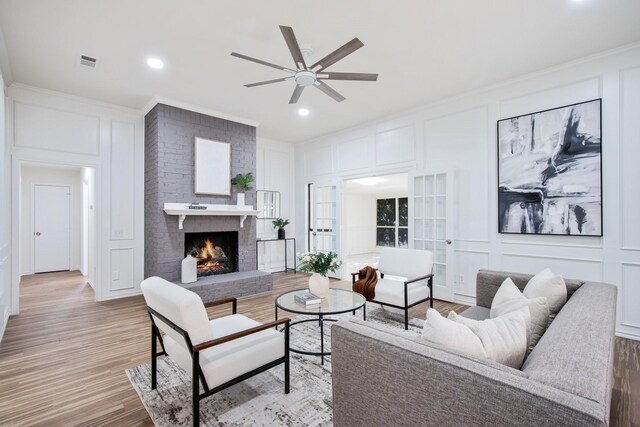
[212, 167]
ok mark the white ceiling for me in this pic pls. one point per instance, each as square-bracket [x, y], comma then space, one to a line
[424, 50]
[385, 185]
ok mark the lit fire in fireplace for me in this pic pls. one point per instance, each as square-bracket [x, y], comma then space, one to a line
[211, 259]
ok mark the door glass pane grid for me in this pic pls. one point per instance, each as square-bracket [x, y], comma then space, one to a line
[439, 274]
[441, 184]
[429, 221]
[325, 239]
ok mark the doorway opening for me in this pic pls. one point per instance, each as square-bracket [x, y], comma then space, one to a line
[374, 214]
[57, 223]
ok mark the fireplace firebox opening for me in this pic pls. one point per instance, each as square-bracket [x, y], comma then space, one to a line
[215, 252]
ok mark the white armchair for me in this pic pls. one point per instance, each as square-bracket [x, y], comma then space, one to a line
[416, 266]
[218, 353]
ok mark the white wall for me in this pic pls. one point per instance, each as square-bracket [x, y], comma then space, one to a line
[50, 127]
[40, 175]
[275, 172]
[358, 223]
[460, 133]
[5, 218]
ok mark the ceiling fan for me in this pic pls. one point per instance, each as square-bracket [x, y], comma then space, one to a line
[307, 76]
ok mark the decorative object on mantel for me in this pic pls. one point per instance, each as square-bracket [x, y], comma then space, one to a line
[280, 224]
[182, 210]
[243, 184]
[550, 171]
[212, 167]
[190, 268]
[320, 264]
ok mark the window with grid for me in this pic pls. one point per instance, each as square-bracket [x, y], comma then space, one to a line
[392, 226]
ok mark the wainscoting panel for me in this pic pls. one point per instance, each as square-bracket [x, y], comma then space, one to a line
[51, 129]
[353, 154]
[122, 270]
[395, 146]
[122, 177]
[318, 161]
[580, 91]
[629, 155]
[630, 294]
[574, 268]
[468, 263]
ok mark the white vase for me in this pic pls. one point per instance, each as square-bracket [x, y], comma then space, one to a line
[319, 285]
[189, 269]
[240, 199]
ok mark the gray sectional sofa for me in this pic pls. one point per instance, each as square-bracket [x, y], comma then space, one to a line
[382, 378]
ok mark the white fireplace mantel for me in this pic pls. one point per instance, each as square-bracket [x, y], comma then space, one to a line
[182, 210]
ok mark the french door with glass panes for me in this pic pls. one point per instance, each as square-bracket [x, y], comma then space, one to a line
[322, 230]
[430, 212]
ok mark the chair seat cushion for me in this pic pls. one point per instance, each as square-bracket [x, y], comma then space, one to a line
[227, 361]
[392, 292]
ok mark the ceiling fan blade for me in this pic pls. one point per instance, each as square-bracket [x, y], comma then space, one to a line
[329, 91]
[369, 77]
[293, 46]
[259, 61]
[338, 54]
[296, 94]
[266, 82]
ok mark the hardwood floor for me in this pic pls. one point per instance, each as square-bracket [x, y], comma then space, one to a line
[62, 359]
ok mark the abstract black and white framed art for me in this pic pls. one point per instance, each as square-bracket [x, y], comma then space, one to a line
[550, 171]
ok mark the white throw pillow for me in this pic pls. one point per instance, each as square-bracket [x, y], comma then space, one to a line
[504, 338]
[509, 299]
[548, 285]
[451, 335]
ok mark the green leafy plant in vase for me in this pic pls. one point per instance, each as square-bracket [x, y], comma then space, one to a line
[280, 224]
[320, 264]
[242, 183]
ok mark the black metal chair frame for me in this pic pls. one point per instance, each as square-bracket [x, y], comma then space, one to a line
[406, 295]
[195, 350]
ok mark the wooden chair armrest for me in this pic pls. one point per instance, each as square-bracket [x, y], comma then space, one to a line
[416, 279]
[233, 301]
[227, 338]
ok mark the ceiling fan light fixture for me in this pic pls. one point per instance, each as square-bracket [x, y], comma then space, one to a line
[305, 78]
[303, 112]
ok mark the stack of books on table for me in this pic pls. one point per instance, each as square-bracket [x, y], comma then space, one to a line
[308, 299]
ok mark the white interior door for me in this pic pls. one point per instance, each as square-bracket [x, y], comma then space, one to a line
[323, 229]
[324, 233]
[431, 216]
[52, 228]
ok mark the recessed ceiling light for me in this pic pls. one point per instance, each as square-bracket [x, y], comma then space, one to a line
[155, 63]
[303, 112]
[372, 180]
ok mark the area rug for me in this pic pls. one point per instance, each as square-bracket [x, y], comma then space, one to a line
[260, 400]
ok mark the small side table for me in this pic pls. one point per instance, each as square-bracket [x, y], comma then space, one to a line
[286, 258]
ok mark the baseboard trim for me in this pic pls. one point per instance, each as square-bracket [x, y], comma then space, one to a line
[627, 336]
[5, 320]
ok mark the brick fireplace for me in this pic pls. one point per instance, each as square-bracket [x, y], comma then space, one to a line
[169, 162]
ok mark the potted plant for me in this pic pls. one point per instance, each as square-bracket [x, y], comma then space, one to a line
[319, 264]
[243, 184]
[280, 224]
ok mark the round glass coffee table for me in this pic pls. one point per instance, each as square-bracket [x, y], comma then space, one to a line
[337, 301]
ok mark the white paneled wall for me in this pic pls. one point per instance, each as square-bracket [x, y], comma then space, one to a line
[5, 226]
[459, 134]
[275, 172]
[51, 128]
